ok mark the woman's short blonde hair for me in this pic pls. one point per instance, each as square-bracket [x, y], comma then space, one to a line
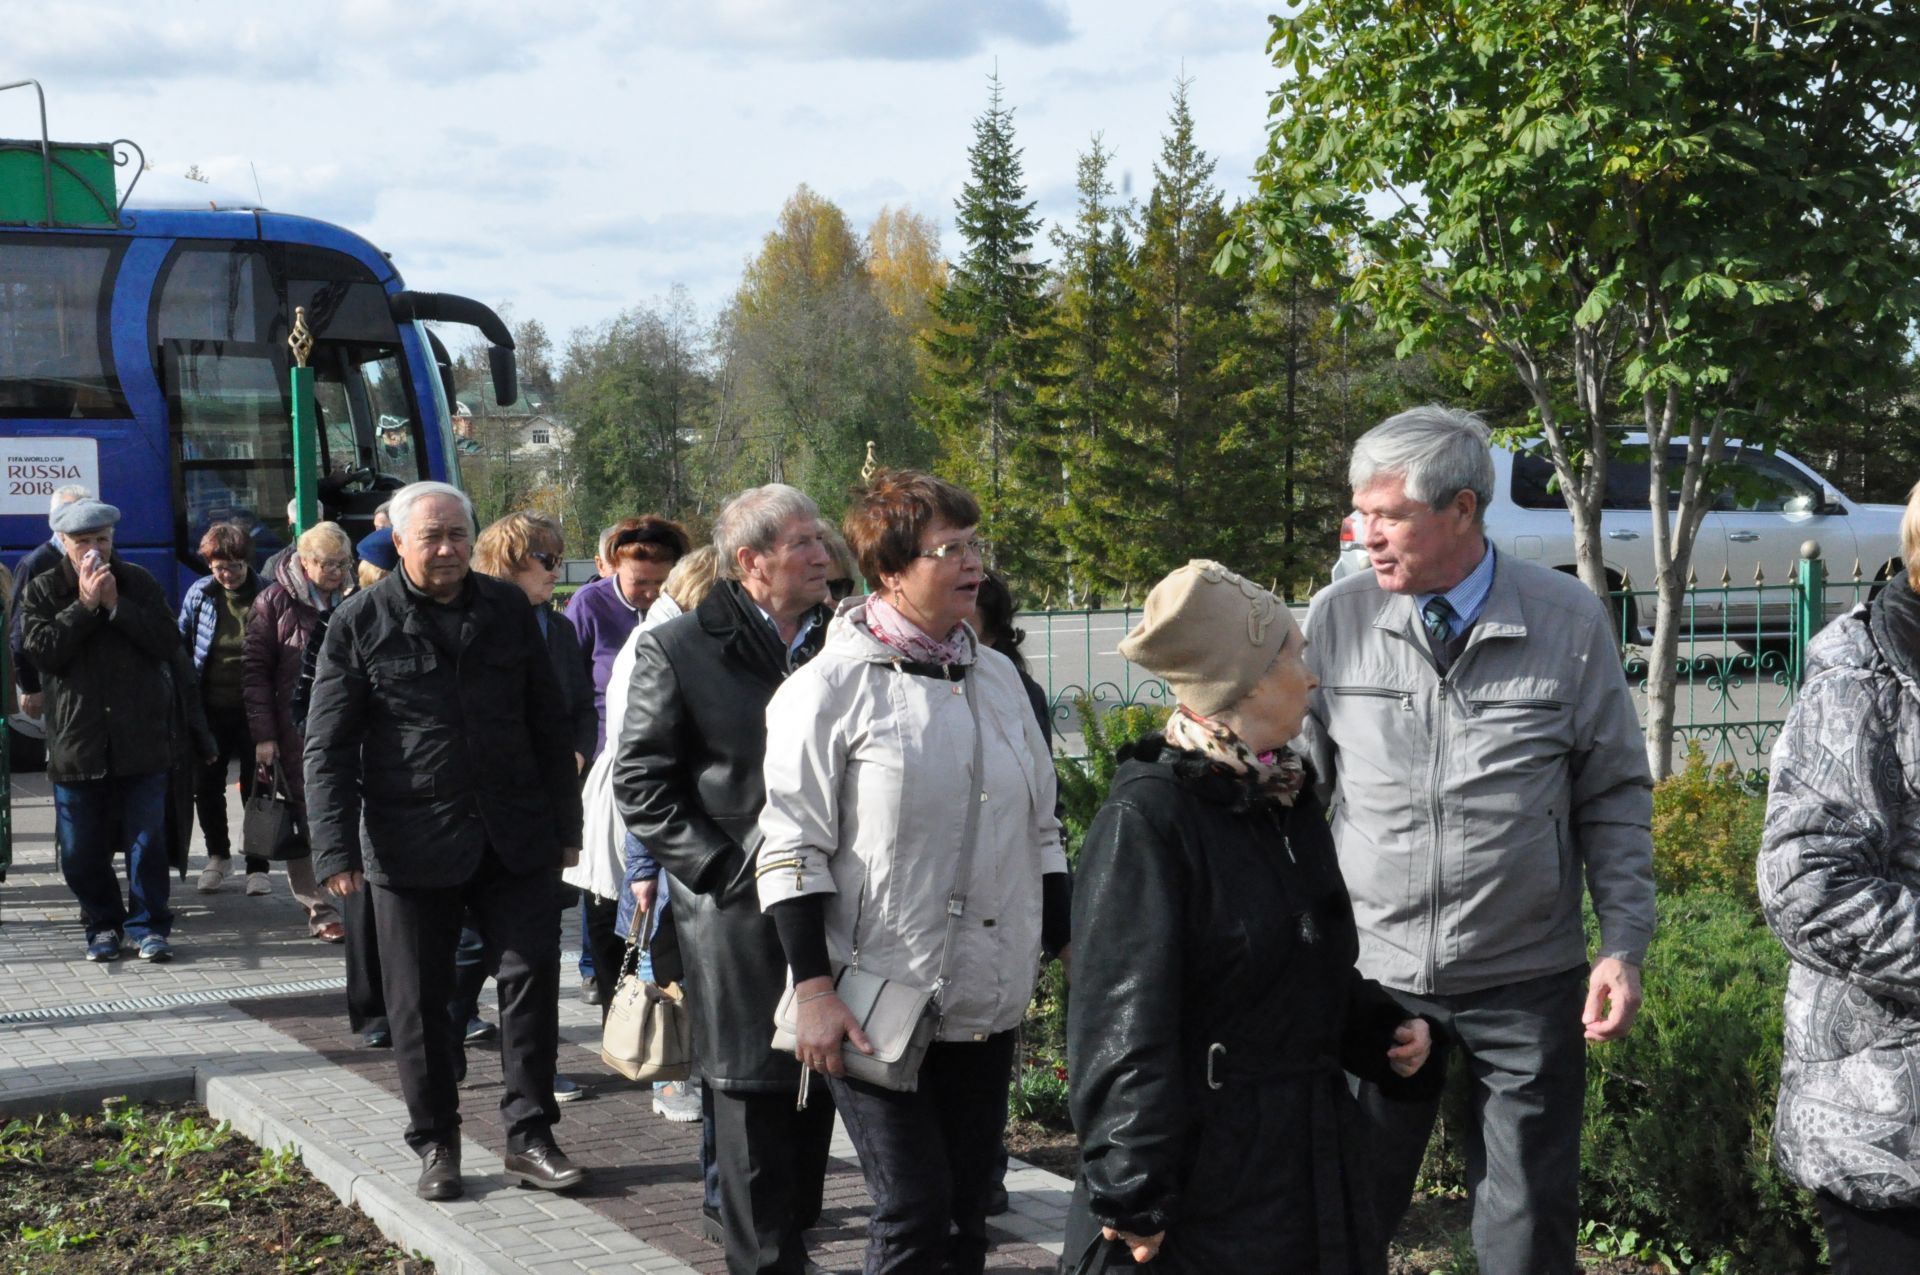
[693, 577]
[325, 539]
[371, 575]
[509, 544]
[1910, 537]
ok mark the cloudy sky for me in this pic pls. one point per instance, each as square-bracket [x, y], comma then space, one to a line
[575, 158]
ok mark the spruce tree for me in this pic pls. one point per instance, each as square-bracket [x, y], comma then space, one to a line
[1093, 377]
[1198, 466]
[991, 355]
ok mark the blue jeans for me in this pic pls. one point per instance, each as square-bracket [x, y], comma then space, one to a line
[95, 819]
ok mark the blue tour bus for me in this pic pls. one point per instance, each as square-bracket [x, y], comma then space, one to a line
[144, 353]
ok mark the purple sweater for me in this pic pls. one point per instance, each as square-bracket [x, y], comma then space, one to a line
[604, 622]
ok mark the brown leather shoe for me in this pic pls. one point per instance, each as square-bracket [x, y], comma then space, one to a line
[440, 1174]
[546, 1167]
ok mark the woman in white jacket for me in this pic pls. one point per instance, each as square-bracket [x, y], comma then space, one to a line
[870, 770]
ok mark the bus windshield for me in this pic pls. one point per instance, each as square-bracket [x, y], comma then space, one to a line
[222, 312]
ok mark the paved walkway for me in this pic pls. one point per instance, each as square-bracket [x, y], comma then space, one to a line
[249, 1016]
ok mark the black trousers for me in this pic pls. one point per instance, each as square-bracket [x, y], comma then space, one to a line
[366, 1000]
[418, 931]
[235, 741]
[1524, 1050]
[772, 1163]
[1869, 1241]
[607, 948]
[929, 1157]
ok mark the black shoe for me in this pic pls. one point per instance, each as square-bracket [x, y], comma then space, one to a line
[377, 1038]
[479, 1029]
[997, 1202]
[710, 1226]
[589, 991]
[545, 1167]
[439, 1174]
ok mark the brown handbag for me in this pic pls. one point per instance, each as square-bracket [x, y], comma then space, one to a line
[649, 1033]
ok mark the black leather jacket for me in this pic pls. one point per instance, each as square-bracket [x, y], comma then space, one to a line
[453, 738]
[688, 783]
[1214, 1007]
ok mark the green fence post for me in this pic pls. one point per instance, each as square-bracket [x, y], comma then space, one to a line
[1810, 605]
[306, 447]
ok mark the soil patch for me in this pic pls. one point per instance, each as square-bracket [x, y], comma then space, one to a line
[164, 1189]
[1044, 1148]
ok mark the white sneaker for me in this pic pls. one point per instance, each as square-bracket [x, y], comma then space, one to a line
[257, 883]
[677, 1101]
[212, 875]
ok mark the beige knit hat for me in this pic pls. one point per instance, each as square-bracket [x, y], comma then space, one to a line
[1210, 633]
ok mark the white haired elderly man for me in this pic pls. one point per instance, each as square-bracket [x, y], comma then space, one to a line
[1474, 726]
[101, 635]
[688, 784]
[436, 725]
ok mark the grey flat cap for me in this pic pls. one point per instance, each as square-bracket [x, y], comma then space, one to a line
[83, 515]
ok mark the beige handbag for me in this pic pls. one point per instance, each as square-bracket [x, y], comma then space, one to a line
[899, 1019]
[648, 1033]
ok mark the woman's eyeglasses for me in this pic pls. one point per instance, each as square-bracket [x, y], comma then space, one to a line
[551, 561]
[953, 549]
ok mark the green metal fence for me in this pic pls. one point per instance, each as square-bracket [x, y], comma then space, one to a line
[1741, 658]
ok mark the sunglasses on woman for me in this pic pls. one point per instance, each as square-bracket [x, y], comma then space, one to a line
[550, 561]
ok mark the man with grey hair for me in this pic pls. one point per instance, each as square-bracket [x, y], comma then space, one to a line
[688, 784]
[25, 676]
[1475, 739]
[440, 775]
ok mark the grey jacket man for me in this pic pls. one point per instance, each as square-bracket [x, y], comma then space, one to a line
[1469, 808]
[1839, 868]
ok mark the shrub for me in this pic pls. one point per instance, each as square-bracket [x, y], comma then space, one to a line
[1084, 781]
[1706, 830]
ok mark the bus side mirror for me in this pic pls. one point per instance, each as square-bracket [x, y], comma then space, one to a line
[506, 378]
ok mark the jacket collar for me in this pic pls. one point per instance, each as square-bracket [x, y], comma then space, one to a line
[1504, 616]
[730, 615]
[1893, 621]
[415, 622]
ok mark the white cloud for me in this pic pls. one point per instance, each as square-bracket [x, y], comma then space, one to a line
[890, 30]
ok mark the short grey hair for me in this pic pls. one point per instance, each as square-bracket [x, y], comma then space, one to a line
[64, 496]
[1438, 451]
[753, 519]
[400, 508]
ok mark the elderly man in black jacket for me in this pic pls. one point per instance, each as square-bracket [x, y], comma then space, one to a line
[100, 632]
[436, 724]
[688, 783]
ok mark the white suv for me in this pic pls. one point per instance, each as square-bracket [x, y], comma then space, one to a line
[1769, 504]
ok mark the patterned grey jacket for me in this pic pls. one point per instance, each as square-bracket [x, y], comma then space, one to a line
[1839, 877]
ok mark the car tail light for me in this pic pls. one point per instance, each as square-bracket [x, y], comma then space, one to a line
[1348, 533]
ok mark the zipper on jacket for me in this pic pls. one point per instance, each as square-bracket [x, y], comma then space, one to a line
[1481, 705]
[1433, 873]
[1377, 692]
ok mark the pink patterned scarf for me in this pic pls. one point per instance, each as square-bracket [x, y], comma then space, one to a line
[894, 630]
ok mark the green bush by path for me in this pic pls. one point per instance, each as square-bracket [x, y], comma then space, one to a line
[1706, 830]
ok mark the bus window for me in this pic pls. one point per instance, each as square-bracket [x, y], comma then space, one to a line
[56, 361]
[229, 400]
[396, 453]
[219, 294]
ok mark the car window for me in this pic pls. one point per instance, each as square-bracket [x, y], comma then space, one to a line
[1759, 483]
[1626, 484]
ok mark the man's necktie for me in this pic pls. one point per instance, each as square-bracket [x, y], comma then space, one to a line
[1438, 615]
